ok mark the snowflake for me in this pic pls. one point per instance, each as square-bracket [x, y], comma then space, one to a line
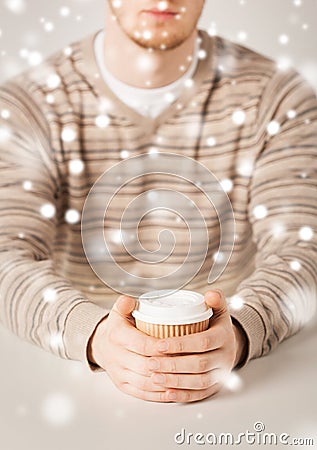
[48, 210]
[49, 295]
[68, 134]
[260, 211]
[56, 341]
[27, 185]
[102, 121]
[76, 166]
[116, 3]
[233, 382]
[291, 114]
[245, 167]
[64, 11]
[49, 26]
[283, 39]
[5, 134]
[306, 233]
[162, 6]
[236, 302]
[72, 216]
[202, 54]
[5, 114]
[53, 81]
[58, 409]
[50, 99]
[295, 265]
[124, 154]
[211, 141]
[34, 58]
[273, 128]
[238, 117]
[227, 185]
[16, 6]
[242, 36]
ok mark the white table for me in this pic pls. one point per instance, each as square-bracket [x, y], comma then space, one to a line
[52, 404]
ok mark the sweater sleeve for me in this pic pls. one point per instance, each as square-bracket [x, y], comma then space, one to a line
[280, 296]
[36, 303]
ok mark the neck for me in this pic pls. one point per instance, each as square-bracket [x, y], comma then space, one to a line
[146, 69]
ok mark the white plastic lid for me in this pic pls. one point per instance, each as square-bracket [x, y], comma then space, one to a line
[168, 307]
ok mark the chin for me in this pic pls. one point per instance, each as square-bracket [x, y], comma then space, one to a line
[158, 44]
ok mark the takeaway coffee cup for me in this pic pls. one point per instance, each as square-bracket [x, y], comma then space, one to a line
[167, 313]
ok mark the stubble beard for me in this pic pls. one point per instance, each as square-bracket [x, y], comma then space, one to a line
[156, 42]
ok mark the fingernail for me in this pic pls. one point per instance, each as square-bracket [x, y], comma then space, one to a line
[158, 378]
[154, 364]
[162, 346]
[172, 396]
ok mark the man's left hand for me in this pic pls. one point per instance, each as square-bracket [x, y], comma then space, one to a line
[200, 362]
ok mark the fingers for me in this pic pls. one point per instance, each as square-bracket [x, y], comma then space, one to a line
[198, 363]
[187, 396]
[217, 301]
[124, 306]
[187, 364]
[205, 341]
[146, 366]
[127, 336]
[176, 388]
[150, 396]
[138, 342]
[144, 383]
[184, 381]
[174, 395]
[136, 363]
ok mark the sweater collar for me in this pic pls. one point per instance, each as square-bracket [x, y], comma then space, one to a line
[86, 63]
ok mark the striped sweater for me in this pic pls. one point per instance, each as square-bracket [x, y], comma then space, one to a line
[251, 124]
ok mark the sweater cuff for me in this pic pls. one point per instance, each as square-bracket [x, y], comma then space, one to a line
[80, 324]
[252, 324]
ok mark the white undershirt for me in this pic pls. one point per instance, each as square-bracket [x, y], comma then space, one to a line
[148, 102]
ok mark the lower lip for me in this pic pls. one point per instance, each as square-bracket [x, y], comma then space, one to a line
[161, 15]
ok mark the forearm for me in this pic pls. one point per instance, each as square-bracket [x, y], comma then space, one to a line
[36, 303]
[277, 301]
[279, 297]
[43, 308]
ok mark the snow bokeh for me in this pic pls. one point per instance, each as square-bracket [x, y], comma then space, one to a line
[58, 409]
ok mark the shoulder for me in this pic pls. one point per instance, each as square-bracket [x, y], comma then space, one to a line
[51, 80]
[238, 61]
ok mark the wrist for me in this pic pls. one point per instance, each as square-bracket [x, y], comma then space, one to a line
[90, 353]
[241, 343]
[92, 344]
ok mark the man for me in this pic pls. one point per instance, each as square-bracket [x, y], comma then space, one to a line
[151, 82]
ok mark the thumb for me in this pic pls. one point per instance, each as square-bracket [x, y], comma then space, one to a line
[124, 306]
[216, 300]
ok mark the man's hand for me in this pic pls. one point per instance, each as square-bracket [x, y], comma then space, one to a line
[197, 365]
[125, 353]
[177, 369]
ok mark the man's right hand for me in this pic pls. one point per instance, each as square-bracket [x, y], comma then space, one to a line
[125, 353]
